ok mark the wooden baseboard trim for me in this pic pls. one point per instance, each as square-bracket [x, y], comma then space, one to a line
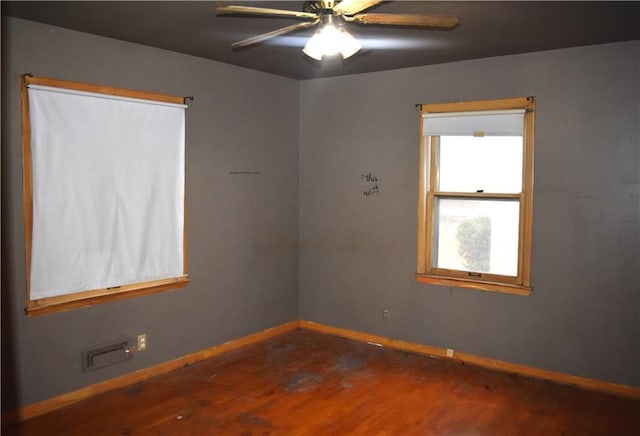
[140, 375]
[498, 365]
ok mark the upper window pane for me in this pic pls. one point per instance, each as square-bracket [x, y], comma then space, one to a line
[471, 164]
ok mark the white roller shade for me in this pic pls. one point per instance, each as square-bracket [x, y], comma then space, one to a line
[489, 123]
[108, 191]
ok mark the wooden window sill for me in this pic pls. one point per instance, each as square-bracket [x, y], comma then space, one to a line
[474, 284]
[91, 298]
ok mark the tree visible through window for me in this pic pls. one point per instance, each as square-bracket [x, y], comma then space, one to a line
[475, 204]
[474, 243]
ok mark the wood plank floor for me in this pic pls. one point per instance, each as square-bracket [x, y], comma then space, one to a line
[308, 383]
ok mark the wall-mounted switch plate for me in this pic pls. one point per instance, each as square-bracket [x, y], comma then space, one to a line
[142, 342]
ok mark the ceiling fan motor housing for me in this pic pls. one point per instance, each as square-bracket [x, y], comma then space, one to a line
[323, 7]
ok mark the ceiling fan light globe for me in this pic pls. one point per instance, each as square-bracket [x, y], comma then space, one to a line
[313, 48]
[329, 41]
[349, 45]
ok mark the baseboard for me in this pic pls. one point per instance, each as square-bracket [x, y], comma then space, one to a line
[140, 375]
[498, 365]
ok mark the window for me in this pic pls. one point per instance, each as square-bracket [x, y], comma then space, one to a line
[476, 195]
[104, 184]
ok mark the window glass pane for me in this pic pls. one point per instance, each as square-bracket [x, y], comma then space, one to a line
[476, 235]
[489, 163]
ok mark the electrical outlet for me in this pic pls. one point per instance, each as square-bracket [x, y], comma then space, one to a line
[449, 352]
[142, 342]
[385, 314]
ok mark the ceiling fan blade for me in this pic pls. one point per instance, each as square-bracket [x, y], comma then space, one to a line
[416, 20]
[250, 10]
[273, 34]
[351, 7]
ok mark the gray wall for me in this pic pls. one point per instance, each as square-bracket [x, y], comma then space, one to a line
[358, 253]
[242, 230]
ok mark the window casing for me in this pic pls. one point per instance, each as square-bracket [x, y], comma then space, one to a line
[104, 190]
[476, 195]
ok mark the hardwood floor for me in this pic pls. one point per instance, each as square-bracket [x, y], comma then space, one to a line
[308, 383]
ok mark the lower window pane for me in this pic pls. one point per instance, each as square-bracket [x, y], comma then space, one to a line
[477, 235]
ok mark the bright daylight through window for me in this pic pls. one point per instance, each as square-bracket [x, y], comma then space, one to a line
[475, 195]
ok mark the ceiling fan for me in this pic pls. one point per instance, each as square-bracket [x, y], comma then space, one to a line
[332, 37]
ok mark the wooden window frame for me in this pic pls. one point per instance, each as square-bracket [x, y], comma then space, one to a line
[90, 297]
[428, 173]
